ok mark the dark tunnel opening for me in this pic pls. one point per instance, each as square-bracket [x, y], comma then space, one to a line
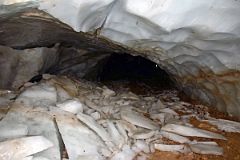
[137, 73]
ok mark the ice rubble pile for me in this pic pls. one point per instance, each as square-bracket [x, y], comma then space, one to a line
[93, 122]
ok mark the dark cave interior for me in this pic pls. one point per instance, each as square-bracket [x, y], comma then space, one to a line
[135, 71]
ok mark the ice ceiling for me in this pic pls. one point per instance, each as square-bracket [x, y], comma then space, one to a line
[196, 42]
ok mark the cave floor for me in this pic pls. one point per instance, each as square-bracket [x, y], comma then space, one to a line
[231, 148]
[76, 119]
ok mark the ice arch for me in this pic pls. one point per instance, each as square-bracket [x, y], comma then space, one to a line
[197, 42]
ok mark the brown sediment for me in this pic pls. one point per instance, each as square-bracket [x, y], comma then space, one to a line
[231, 146]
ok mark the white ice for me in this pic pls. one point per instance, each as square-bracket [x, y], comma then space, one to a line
[206, 148]
[191, 131]
[38, 95]
[8, 130]
[138, 119]
[22, 147]
[225, 125]
[73, 106]
[171, 148]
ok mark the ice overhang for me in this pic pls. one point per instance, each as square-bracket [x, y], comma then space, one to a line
[197, 42]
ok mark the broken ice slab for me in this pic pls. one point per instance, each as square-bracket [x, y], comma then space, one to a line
[172, 148]
[39, 122]
[38, 95]
[225, 125]
[206, 148]
[40, 158]
[168, 110]
[143, 134]
[162, 117]
[89, 157]
[190, 131]
[79, 140]
[67, 84]
[125, 154]
[22, 147]
[174, 137]
[28, 158]
[8, 130]
[95, 115]
[91, 123]
[141, 146]
[62, 94]
[129, 96]
[110, 110]
[138, 119]
[107, 92]
[116, 137]
[73, 106]
[156, 106]
[92, 105]
[122, 131]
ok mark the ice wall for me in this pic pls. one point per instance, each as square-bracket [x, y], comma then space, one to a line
[197, 42]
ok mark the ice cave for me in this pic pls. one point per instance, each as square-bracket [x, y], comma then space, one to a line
[119, 79]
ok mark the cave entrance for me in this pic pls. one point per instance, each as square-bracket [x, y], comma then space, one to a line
[138, 74]
[118, 71]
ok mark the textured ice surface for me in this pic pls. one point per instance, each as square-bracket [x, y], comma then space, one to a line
[115, 135]
[38, 95]
[126, 154]
[225, 125]
[8, 2]
[196, 42]
[91, 123]
[73, 106]
[20, 148]
[138, 119]
[79, 140]
[8, 130]
[38, 122]
[171, 148]
[40, 158]
[190, 131]
[143, 134]
[174, 137]
[206, 148]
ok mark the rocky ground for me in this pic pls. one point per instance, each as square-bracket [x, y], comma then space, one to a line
[63, 118]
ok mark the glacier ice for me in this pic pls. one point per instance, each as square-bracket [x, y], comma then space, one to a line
[34, 121]
[8, 130]
[138, 119]
[22, 147]
[197, 43]
[191, 131]
[171, 148]
[38, 95]
[206, 148]
[73, 106]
